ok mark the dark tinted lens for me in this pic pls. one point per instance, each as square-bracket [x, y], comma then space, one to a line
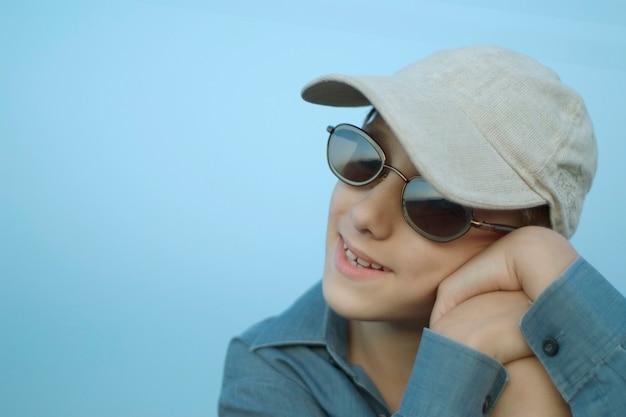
[431, 215]
[352, 157]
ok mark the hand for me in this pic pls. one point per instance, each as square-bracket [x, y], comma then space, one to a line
[488, 323]
[528, 259]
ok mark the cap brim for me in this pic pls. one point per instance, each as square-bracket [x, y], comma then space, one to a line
[445, 147]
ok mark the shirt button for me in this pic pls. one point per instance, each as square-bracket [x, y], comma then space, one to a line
[550, 346]
[487, 403]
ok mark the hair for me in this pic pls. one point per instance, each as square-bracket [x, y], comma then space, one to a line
[536, 216]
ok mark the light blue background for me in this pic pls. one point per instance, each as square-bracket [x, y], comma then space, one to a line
[163, 186]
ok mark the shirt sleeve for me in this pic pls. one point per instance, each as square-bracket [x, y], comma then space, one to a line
[577, 329]
[451, 380]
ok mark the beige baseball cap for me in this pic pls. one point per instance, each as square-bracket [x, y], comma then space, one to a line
[487, 127]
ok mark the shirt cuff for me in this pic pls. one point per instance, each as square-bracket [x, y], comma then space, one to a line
[451, 379]
[575, 325]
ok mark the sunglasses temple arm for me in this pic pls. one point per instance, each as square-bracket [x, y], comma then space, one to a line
[493, 227]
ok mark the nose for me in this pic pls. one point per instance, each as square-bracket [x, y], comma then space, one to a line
[378, 208]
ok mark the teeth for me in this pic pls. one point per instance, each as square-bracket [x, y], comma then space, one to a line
[356, 261]
[363, 263]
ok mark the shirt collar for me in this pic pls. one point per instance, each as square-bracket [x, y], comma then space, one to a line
[309, 321]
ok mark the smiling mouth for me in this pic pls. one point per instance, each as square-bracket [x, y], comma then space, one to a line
[361, 263]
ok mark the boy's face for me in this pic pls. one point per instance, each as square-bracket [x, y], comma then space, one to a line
[398, 270]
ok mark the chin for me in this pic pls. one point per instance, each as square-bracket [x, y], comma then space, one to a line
[376, 304]
[364, 304]
[347, 302]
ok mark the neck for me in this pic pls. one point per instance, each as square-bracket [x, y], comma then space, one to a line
[386, 351]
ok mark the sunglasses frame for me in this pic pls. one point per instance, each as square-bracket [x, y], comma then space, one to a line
[469, 213]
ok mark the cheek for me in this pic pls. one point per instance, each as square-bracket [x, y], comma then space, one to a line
[340, 198]
[421, 274]
[341, 201]
[426, 264]
[336, 210]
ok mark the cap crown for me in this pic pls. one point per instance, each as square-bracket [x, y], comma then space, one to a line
[488, 127]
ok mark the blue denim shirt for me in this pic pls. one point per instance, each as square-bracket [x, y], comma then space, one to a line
[296, 363]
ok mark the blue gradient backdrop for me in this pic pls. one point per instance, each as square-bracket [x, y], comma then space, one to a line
[163, 186]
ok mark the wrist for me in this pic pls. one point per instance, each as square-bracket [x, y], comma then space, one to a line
[541, 256]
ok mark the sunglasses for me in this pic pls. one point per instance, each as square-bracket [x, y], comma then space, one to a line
[356, 159]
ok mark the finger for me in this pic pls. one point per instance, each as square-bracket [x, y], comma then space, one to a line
[490, 270]
[489, 323]
[530, 259]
